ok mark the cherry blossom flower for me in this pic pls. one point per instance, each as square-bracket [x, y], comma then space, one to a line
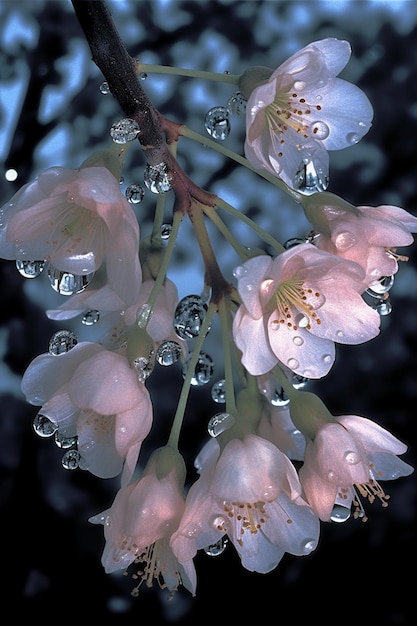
[75, 220]
[345, 462]
[295, 307]
[301, 111]
[249, 491]
[141, 520]
[92, 393]
[367, 235]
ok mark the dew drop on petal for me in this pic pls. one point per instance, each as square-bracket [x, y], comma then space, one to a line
[157, 178]
[310, 180]
[66, 284]
[299, 382]
[301, 320]
[61, 342]
[218, 392]
[71, 459]
[292, 363]
[299, 85]
[124, 130]
[383, 307]
[144, 365]
[298, 341]
[65, 441]
[30, 269]
[327, 358]
[203, 370]
[381, 286]
[219, 423]
[344, 241]
[189, 316]
[351, 457]
[352, 138]
[217, 548]
[217, 123]
[90, 317]
[294, 241]
[319, 130]
[240, 271]
[279, 398]
[134, 194]
[168, 353]
[43, 426]
[309, 545]
[340, 514]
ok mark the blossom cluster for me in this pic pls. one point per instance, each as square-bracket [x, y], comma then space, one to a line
[277, 462]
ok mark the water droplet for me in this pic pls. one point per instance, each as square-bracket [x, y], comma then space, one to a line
[124, 130]
[66, 283]
[294, 241]
[157, 178]
[61, 342]
[293, 363]
[352, 138]
[381, 286]
[218, 392]
[189, 315]
[299, 382]
[143, 315]
[339, 333]
[384, 307]
[166, 231]
[134, 194]
[64, 441]
[30, 269]
[236, 105]
[168, 353]
[217, 123]
[217, 548]
[299, 85]
[352, 458]
[203, 370]
[301, 320]
[275, 324]
[340, 514]
[327, 358]
[344, 241]
[309, 546]
[240, 271]
[298, 341]
[43, 426]
[219, 423]
[279, 398]
[90, 317]
[104, 88]
[71, 459]
[319, 130]
[143, 76]
[310, 180]
[144, 366]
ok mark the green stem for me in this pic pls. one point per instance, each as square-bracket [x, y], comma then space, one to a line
[224, 315]
[227, 234]
[178, 217]
[158, 217]
[285, 383]
[181, 71]
[191, 134]
[263, 234]
[182, 402]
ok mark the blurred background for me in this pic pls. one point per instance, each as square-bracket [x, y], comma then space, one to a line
[52, 112]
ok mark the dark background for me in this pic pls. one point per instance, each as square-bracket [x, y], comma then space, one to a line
[52, 113]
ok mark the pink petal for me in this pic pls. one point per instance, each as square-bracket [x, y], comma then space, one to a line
[250, 337]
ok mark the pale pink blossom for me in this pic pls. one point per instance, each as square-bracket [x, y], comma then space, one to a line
[345, 461]
[302, 110]
[141, 520]
[76, 220]
[249, 491]
[296, 306]
[93, 394]
[366, 235]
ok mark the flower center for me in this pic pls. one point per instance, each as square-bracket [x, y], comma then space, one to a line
[369, 491]
[247, 518]
[154, 566]
[72, 225]
[295, 305]
[289, 110]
